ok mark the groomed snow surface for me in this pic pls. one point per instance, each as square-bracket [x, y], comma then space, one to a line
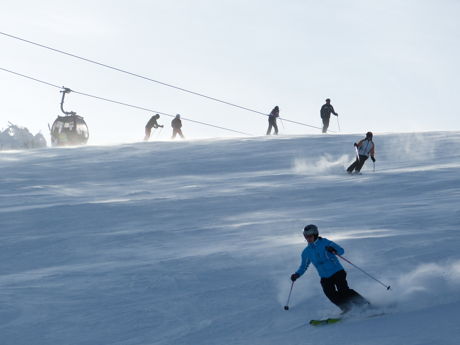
[193, 242]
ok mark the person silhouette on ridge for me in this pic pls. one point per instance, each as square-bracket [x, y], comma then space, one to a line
[151, 124]
[272, 120]
[176, 124]
[325, 112]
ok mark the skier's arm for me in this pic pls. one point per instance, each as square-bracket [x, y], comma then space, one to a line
[372, 151]
[359, 143]
[303, 265]
[333, 112]
[338, 249]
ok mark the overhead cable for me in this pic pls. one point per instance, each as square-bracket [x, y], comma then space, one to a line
[121, 103]
[150, 79]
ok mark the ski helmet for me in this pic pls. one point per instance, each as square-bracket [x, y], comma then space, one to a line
[328, 100]
[369, 135]
[178, 116]
[311, 229]
[157, 116]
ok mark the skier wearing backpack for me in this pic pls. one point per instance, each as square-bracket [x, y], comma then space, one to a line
[365, 148]
[272, 120]
[322, 252]
[325, 113]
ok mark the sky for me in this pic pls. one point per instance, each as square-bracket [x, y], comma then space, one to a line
[388, 66]
[194, 243]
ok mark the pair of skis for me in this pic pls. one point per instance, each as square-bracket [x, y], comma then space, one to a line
[333, 320]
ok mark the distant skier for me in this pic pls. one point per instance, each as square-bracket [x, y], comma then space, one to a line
[325, 112]
[364, 147]
[321, 252]
[176, 124]
[151, 124]
[272, 120]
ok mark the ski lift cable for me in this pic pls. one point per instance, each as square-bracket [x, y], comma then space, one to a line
[158, 112]
[31, 78]
[121, 103]
[149, 79]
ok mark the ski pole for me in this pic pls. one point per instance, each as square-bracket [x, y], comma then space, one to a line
[387, 286]
[338, 124]
[286, 307]
[357, 153]
[374, 166]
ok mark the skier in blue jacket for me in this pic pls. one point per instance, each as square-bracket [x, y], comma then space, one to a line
[322, 252]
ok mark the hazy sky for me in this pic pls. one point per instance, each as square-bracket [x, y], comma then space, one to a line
[387, 65]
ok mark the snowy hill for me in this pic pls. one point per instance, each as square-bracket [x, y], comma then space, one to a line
[193, 242]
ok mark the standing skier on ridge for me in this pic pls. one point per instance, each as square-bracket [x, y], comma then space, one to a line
[272, 120]
[321, 252]
[364, 147]
[176, 124]
[325, 112]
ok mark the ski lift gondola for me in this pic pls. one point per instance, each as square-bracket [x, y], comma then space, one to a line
[70, 129]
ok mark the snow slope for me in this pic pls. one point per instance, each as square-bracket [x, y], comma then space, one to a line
[193, 242]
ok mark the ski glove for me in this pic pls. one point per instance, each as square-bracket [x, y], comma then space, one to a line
[355, 145]
[373, 159]
[295, 276]
[331, 250]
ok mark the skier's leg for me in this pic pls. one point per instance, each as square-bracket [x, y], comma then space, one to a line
[174, 133]
[180, 133]
[348, 297]
[325, 124]
[353, 166]
[269, 130]
[276, 127]
[362, 160]
[147, 133]
[340, 283]
[329, 290]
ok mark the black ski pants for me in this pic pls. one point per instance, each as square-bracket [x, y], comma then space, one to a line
[325, 123]
[357, 164]
[336, 289]
[177, 131]
[272, 124]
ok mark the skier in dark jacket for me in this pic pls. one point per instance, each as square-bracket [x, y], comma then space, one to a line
[322, 252]
[272, 120]
[364, 149]
[151, 124]
[176, 124]
[325, 112]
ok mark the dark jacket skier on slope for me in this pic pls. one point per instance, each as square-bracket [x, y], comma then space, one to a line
[325, 113]
[321, 252]
[151, 124]
[365, 148]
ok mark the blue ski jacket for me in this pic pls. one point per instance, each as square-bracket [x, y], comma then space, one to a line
[325, 262]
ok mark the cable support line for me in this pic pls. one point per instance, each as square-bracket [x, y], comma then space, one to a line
[158, 112]
[122, 103]
[31, 78]
[303, 124]
[131, 73]
[149, 79]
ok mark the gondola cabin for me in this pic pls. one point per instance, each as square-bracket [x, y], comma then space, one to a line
[70, 129]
